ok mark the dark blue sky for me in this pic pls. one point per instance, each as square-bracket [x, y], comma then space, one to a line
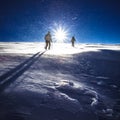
[91, 21]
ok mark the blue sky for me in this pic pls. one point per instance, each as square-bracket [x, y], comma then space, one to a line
[91, 21]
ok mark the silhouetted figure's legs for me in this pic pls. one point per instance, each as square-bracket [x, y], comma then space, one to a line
[73, 44]
[49, 44]
[46, 45]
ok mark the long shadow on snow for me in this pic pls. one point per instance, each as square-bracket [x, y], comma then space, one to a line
[7, 78]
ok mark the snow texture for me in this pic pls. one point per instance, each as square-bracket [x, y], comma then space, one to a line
[64, 83]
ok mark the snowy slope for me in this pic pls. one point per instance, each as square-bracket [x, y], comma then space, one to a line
[63, 83]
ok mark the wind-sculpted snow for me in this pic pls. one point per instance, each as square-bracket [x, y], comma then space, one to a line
[54, 85]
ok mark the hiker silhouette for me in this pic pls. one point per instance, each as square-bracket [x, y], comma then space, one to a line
[73, 41]
[48, 40]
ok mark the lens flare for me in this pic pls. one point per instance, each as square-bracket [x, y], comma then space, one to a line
[60, 34]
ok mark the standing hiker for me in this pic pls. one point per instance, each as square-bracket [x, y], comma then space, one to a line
[73, 41]
[48, 40]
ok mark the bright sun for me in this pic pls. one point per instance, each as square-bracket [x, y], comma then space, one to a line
[60, 34]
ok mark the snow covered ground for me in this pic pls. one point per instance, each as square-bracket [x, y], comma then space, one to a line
[64, 83]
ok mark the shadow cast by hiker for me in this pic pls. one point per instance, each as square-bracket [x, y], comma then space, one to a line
[9, 77]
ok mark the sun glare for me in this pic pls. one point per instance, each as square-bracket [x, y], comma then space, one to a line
[60, 34]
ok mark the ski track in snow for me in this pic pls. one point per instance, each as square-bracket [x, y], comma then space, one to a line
[64, 82]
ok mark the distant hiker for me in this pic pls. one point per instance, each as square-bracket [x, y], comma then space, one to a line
[73, 41]
[48, 40]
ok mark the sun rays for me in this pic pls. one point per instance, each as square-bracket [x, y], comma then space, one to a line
[60, 34]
